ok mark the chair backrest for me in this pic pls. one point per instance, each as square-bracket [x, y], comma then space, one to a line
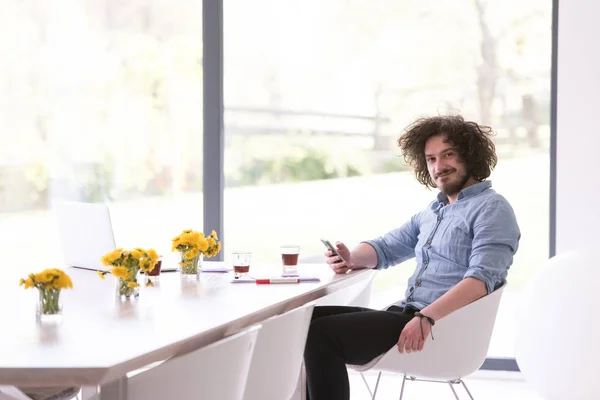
[461, 343]
[357, 294]
[277, 358]
[217, 371]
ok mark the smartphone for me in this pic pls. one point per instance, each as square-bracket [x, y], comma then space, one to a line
[332, 248]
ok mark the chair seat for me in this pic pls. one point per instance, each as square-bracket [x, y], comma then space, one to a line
[50, 393]
[367, 366]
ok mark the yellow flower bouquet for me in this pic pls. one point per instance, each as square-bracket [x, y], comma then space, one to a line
[49, 283]
[194, 246]
[125, 266]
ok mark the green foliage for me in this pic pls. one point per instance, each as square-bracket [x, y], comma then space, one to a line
[395, 164]
[311, 165]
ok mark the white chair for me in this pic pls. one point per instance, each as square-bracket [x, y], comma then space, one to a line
[278, 355]
[558, 327]
[461, 343]
[217, 371]
[357, 294]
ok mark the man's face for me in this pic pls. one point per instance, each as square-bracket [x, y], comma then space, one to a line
[445, 168]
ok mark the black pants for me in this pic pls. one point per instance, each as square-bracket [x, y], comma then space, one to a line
[347, 335]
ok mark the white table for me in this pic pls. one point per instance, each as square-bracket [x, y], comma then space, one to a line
[101, 339]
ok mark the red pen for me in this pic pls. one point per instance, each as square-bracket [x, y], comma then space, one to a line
[286, 280]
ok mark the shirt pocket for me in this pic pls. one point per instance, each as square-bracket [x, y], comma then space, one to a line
[453, 241]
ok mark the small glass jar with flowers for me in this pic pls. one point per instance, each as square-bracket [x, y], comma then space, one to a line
[194, 246]
[49, 283]
[125, 267]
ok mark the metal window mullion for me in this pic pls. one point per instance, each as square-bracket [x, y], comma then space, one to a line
[213, 137]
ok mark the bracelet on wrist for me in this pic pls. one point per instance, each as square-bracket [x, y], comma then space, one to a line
[431, 321]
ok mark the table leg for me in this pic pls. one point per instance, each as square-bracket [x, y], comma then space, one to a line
[115, 390]
[89, 392]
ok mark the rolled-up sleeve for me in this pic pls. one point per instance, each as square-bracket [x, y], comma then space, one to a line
[398, 245]
[495, 241]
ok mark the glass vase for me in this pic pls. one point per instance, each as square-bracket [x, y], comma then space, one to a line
[49, 307]
[191, 267]
[127, 289]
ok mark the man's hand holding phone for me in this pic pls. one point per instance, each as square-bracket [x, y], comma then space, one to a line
[337, 257]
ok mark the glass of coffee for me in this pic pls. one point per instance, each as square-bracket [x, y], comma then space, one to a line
[289, 257]
[241, 263]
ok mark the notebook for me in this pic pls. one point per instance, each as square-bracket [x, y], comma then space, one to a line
[85, 232]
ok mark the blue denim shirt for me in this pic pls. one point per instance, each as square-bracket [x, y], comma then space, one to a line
[476, 236]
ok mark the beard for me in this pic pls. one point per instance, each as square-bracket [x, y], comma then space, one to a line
[451, 186]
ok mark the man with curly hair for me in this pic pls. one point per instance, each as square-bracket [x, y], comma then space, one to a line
[463, 242]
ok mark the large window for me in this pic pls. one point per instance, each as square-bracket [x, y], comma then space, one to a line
[100, 101]
[316, 93]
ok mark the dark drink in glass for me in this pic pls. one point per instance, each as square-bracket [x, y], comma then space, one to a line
[241, 269]
[156, 270]
[289, 257]
[241, 263]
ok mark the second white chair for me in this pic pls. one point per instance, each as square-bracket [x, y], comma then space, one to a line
[278, 355]
[217, 371]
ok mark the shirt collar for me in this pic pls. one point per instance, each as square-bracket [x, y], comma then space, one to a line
[472, 190]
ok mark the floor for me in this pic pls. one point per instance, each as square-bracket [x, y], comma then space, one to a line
[483, 385]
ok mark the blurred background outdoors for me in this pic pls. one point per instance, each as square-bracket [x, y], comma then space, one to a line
[101, 101]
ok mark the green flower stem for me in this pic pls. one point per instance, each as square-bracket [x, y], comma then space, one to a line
[124, 289]
[190, 265]
[49, 301]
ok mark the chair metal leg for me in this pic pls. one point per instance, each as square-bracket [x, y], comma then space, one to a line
[376, 386]
[402, 387]
[468, 392]
[453, 391]
[366, 384]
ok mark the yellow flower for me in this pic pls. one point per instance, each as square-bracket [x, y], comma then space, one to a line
[100, 274]
[51, 278]
[195, 237]
[132, 284]
[137, 253]
[147, 264]
[112, 257]
[63, 281]
[203, 245]
[211, 242]
[214, 235]
[153, 255]
[185, 239]
[120, 272]
[44, 277]
[194, 252]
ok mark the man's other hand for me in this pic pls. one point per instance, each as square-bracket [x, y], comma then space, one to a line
[411, 338]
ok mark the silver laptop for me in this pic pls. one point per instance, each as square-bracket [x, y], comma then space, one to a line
[86, 234]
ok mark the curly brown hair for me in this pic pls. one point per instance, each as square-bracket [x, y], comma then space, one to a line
[472, 141]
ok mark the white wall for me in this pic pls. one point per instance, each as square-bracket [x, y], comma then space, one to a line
[578, 125]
